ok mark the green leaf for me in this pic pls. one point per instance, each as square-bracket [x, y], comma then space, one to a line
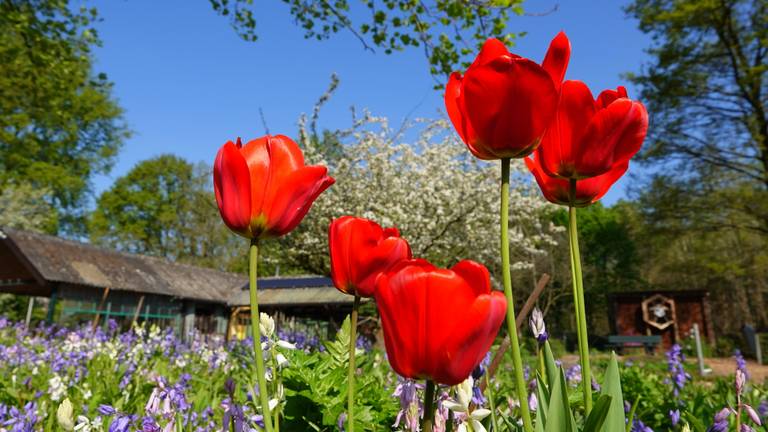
[599, 412]
[549, 363]
[632, 410]
[543, 396]
[695, 423]
[612, 387]
[559, 415]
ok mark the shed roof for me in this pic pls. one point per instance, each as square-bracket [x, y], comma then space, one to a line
[54, 259]
[294, 291]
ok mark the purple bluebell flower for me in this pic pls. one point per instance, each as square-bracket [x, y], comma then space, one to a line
[720, 423]
[639, 426]
[341, 422]
[674, 416]
[410, 405]
[678, 376]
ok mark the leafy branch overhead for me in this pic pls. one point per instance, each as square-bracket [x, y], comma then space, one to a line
[448, 31]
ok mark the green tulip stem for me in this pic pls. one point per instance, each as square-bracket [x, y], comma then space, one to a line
[491, 402]
[253, 260]
[429, 407]
[351, 376]
[578, 296]
[517, 360]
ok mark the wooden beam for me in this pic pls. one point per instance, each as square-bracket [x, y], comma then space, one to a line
[138, 310]
[98, 310]
[521, 317]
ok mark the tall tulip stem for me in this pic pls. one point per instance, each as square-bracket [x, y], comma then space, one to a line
[351, 375]
[578, 297]
[429, 407]
[517, 361]
[253, 260]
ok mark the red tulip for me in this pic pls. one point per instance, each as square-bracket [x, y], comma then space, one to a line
[588, 191]
[438, 323]
[590, 137]
[504, 102]
[263, 189]
[360, 251]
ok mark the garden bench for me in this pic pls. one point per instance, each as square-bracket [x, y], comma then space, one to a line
[622, 341]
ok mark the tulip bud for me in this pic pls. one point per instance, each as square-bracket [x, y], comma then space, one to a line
[64, 415]
[266, 324]
[538, 327]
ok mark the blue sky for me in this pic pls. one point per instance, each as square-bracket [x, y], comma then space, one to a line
[188, 82]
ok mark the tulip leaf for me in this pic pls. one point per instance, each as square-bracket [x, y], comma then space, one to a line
[549, 364]
[559, 415]
[542, 394]
[598, 414]
[612, 387]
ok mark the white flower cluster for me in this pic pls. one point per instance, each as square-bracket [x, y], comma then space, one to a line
[423, 180]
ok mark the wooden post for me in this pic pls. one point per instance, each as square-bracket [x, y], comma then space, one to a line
[521, 317]
[107, 312]
[137, 311]
[52, 304]
[699, 353]
[758, 349]
[95, 322]
[30, 306]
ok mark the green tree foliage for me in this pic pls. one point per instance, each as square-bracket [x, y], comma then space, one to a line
[165, 207]
[23, 206]
[448, 31]
[707, 93]
[59, 125]
[701, 219]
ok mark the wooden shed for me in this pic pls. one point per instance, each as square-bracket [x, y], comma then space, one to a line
[670, 314]
[82, 281]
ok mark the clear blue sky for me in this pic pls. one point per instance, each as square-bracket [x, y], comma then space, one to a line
[188, 83]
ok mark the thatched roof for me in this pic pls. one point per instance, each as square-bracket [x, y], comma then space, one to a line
[56, 260]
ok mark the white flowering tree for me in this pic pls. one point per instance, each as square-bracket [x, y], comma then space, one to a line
[421, 179]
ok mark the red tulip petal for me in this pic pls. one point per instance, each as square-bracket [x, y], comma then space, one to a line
[293, 197]
[491, 50]
[607, 96]
[561, 142]
[472, 337]
[377, 259]
[613, 135]
[256, 154]
[475, 274]
[401, 296]
[509, 103]
[338, 243]
[399, 342]
[556, 60]
[452, 96]
[555, 190]
[591, 190]
[632, 136]
[232, 188]
[447, 297]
